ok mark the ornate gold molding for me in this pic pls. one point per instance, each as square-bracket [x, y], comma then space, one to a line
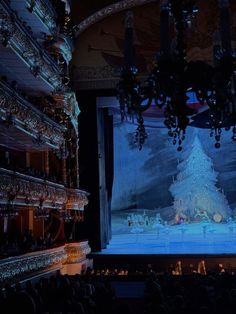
[14, 34]
[70, 107]
[107, 11]
[29, 119]
[77, 251]
[15, 267]
[89, 73]
[64, 46]
[99, 77]
[27, 190]
[45, 12]
[76, 199]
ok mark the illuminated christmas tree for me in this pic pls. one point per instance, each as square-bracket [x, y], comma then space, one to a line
[196, 197]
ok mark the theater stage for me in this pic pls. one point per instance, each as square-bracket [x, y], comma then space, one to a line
[215, 243]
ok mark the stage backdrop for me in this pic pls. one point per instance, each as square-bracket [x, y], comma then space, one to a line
[161, 185]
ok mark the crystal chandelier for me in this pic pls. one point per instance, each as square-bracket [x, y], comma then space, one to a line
[173, 77]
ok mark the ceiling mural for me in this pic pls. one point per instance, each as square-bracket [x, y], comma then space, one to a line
[98, 56]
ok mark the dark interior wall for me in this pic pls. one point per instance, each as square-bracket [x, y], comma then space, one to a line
[95, 169]
[82, 9]
[55, 167]
[13, 158]
[37, 160]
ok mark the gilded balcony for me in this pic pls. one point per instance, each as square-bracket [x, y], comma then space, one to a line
[15, 268]
[44, 17]
[15, 35]
[69, 258]
[24, 190]
[45, 11]
[77, 251]
[76, 199]
[69, 105]
[20, 115]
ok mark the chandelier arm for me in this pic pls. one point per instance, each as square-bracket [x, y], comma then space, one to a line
[177, 11]
[129, 50]
[225, 31]
[164, 29]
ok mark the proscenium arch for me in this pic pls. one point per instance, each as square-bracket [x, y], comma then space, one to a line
[107, 11]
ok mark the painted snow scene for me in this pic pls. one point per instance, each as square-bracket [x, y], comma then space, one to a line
[170, 201]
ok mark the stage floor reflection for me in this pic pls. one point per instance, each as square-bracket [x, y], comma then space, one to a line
[193, 238]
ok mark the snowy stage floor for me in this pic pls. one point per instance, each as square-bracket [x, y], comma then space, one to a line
[195, 238]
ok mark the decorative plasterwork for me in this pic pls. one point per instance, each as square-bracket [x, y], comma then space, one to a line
[18, 112]
[26, 190]
[45, 12]
[88, 73]
[16, 267]
[64, 46]
[76, 199]
[70, 107]
[97, 77]
[107, 11]
[98, 84]
[14, 34]
[76, 252]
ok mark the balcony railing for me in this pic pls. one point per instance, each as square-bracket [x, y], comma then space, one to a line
[15, 269]
[26, 190]
[76, 199]
[44, 10]
[70, 107]
[14, 34]
[30, 171]
[30, 191]
[17, 111]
